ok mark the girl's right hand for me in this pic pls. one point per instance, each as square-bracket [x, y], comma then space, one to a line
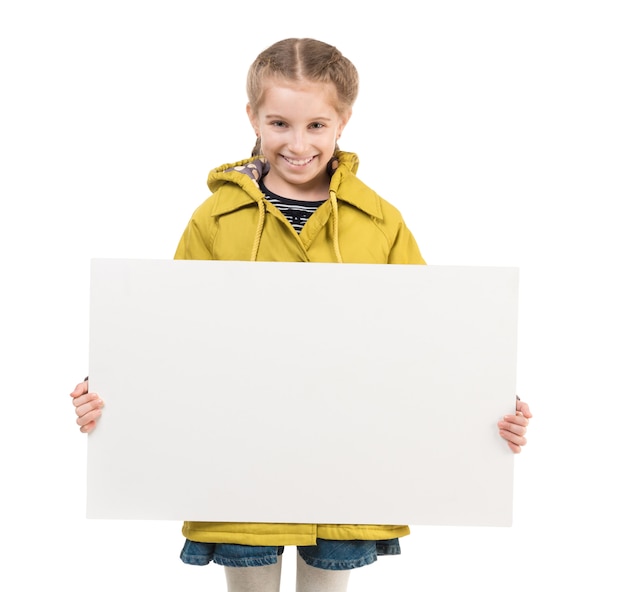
[88, 407]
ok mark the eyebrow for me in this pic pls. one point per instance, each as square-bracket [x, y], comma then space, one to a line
[276, 116]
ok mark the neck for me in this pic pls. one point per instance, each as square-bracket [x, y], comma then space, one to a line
[305, 192]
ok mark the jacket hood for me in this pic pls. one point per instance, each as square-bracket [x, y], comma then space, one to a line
[344, 185]
[246, 173]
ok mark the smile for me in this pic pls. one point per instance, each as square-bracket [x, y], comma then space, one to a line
[299, 162]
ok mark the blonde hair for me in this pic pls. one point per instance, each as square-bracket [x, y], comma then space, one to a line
[299, 60]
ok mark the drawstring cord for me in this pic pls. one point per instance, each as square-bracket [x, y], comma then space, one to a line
[335, 207]
[259, 230]
[335, 216]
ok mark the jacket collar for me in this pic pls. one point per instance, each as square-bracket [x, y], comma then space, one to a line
[245, 174]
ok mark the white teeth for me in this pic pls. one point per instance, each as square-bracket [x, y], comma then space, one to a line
[298, 162]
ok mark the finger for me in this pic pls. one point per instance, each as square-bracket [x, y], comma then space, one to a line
[85, 399]
[514, 440]
[515, 448]
[88, 418]
[80, 389]
[517, 419]
[88, 427]
[524, 409]
[514, 428]
[88, 405]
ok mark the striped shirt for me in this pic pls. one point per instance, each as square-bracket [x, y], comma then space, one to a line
[296, 211]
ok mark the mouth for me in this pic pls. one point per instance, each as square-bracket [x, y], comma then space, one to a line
[298, 163]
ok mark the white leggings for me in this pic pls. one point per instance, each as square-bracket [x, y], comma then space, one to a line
[266, 578]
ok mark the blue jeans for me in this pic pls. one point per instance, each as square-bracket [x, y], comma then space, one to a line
[325, 554]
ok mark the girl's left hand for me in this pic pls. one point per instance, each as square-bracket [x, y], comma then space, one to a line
[513, 427]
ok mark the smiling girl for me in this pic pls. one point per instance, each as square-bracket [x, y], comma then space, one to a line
[296, 199]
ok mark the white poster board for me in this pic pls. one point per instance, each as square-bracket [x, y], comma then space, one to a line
[289, 392]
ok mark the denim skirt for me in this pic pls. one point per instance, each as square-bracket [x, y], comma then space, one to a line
[325, 554]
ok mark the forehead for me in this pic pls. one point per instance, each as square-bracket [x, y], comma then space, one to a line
[278, 91]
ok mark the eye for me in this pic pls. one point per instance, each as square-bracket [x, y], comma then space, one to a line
[317, 125]
[278, 123]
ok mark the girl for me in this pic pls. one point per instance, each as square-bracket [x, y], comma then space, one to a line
[296, 199]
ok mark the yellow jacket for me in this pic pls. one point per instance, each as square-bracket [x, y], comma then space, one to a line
[355, 225]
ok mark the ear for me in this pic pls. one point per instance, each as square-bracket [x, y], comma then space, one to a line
[343, 121]
[254, 120]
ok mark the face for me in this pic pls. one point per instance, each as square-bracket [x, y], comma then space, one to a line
[299, 126]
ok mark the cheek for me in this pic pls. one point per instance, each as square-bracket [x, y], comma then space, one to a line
[268, 139]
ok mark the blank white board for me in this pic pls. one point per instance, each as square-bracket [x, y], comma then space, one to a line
[289, 392]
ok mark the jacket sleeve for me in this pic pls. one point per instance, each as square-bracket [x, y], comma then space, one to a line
[404, 248]
[194, 243]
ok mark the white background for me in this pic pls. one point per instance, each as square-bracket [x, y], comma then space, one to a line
[496, 127]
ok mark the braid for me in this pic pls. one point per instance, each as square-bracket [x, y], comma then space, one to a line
[256, 151]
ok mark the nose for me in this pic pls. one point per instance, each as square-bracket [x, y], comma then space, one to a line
[297, 141]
